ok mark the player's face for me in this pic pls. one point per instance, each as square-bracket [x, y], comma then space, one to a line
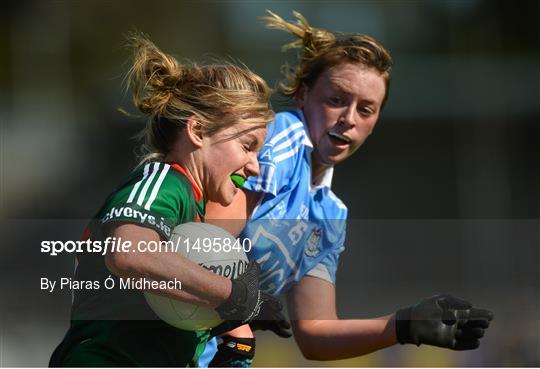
[341, 110]
[232, 150]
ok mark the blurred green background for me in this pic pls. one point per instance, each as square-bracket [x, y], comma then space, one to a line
[445, 195]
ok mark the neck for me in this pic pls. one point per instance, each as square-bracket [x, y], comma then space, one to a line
[317, 168]
[188, 163]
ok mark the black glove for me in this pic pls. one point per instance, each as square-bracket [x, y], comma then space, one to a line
[443, 321]
[246, 303]
[272, 320]
[234, 352]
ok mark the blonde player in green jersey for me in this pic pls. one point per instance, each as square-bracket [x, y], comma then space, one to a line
[204, 125]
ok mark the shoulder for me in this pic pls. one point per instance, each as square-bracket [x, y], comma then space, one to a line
[156, 196]
[280, 156]
[154, 180]
[153, 187]
[286, 138]
[285, 126]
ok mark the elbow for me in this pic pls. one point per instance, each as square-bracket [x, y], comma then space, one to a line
[310, 345]
[311, 352]
[122, 264]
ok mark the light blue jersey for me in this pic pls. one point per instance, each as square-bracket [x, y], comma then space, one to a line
[299, 227]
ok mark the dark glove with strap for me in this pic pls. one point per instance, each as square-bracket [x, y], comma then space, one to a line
[247, 303]
[234, 352]
[277, 324]
[443, 321]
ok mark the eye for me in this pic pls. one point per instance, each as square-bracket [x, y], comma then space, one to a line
[248, 146]
[336, 100]
[365, 111]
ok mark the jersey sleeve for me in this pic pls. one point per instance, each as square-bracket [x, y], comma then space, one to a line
[326, 269]
[280, 155]
[157, 199]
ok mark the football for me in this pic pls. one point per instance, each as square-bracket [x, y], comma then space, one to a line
[212, 248]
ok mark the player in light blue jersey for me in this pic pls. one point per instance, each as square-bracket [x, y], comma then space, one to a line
[297, 224]
[299, 227]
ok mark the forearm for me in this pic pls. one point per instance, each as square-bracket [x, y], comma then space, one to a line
[342, 339]
[199, 286]
[440, 320]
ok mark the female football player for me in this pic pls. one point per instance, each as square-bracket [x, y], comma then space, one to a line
[204, 124]
[297, 223]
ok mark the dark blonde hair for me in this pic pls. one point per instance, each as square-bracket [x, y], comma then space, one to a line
[321, 49]
[168, 93]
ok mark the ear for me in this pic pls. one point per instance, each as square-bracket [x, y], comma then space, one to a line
[194, 131]
[301, 96]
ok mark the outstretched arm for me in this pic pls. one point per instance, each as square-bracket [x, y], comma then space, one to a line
[441, 320]
[321, 335]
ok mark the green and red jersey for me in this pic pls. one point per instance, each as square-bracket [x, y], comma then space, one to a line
[113, 327]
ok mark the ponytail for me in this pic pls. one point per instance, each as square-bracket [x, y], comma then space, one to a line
[321, 49]
[168, 93]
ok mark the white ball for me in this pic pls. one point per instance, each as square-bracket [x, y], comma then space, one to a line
[214, 249]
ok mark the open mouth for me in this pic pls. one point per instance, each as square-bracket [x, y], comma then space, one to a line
[339, 139]
[238, 180]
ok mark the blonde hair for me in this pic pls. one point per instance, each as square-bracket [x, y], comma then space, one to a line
[169, 93]
[321, 49]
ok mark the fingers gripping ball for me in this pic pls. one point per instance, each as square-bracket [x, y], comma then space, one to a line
[191, 240]
[247, 304]
[443, 321]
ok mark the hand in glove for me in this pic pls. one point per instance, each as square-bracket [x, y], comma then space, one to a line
[443, 321]
[247, 303]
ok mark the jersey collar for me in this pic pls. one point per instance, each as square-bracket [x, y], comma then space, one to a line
[324, 179]
[196, 190]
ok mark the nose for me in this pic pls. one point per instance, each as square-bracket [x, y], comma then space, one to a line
[348, 116]
[252, 166]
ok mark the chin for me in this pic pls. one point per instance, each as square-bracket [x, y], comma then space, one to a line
[340, 159]
[336, 159]
[226, 198]
[332, 160]
[223, 201]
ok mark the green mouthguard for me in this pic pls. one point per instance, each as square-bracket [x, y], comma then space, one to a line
[238, 180]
